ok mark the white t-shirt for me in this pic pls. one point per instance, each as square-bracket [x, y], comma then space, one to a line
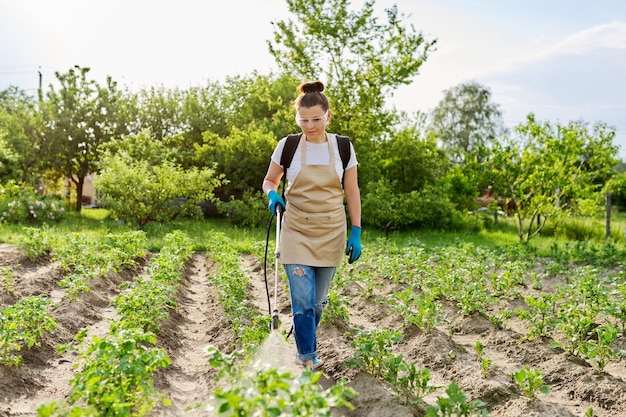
[316, 154]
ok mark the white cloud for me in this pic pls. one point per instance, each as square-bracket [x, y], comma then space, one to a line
[610, 35]
[604, 36]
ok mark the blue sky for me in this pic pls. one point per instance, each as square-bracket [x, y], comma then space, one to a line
[561, 60]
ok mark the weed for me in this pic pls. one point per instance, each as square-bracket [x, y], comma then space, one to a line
[479, 348]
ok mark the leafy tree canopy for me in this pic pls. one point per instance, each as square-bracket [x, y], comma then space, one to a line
[552, 170]
[466, 121]
[80, 117]
[361, 61]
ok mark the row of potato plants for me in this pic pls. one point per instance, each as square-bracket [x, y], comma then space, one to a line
[410, 384]
[584, 316]
[243, 389]
[24, 324]
[85, 260]
[115, 371]
[373, 354]
[231, 283]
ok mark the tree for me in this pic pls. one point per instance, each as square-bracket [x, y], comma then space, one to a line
[361, 61]
[180, 118]
[21, 134]
[411, 159]
[242, 157]
[202, 110]
[467, 122]
[261, 102]
[553, 170]
[159, 109]
[80, 117]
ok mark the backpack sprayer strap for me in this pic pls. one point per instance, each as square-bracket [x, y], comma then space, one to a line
[289, 150]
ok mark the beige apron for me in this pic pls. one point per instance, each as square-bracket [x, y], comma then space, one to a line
[314, 226]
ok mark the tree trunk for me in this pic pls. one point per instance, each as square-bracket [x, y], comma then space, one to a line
[79, 193]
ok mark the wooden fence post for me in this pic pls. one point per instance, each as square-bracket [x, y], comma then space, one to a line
[608, 215]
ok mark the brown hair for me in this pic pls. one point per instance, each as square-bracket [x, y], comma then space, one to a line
[311, 94]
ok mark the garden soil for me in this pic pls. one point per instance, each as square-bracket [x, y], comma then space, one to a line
[198, 321]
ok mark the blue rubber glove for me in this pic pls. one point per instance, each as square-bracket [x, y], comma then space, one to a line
[353, 248]
[274, 200]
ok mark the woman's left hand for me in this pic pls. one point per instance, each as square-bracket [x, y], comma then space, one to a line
[353, 248]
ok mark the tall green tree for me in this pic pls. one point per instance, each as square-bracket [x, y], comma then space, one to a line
[159, 109]
[21, 135]
[202, 111]
[261, 102]
[466, 122]
[180, 118]
[177, 118]
[361, 60]
[553, 170]
[411, 158]
[81, 116]
[241, 157]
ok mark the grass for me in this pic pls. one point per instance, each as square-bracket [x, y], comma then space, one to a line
[90, 222]
[96, 222]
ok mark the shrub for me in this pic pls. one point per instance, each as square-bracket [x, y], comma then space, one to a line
[577, 228]
[26, 206]
[428, 208]
[617, 187]
[138, 192]
[248, 211]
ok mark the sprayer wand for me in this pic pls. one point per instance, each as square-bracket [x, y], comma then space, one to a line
[279, 210]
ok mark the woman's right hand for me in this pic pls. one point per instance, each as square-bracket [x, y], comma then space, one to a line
[274, 200]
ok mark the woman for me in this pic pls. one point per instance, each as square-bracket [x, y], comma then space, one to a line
[313, 234]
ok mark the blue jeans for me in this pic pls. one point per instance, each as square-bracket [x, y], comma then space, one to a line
[309, 287]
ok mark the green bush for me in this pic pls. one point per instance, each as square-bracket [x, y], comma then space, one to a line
[460, 190]
[577, 229]
[252, 145]
[249, 211]
[617, 187]
[428, 208]
[138, 192]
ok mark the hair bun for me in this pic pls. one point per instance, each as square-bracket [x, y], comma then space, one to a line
[312, 87]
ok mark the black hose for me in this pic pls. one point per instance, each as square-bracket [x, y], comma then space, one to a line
[267, 244]
[267, 289]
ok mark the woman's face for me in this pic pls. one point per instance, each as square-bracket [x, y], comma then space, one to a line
[312, 120]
